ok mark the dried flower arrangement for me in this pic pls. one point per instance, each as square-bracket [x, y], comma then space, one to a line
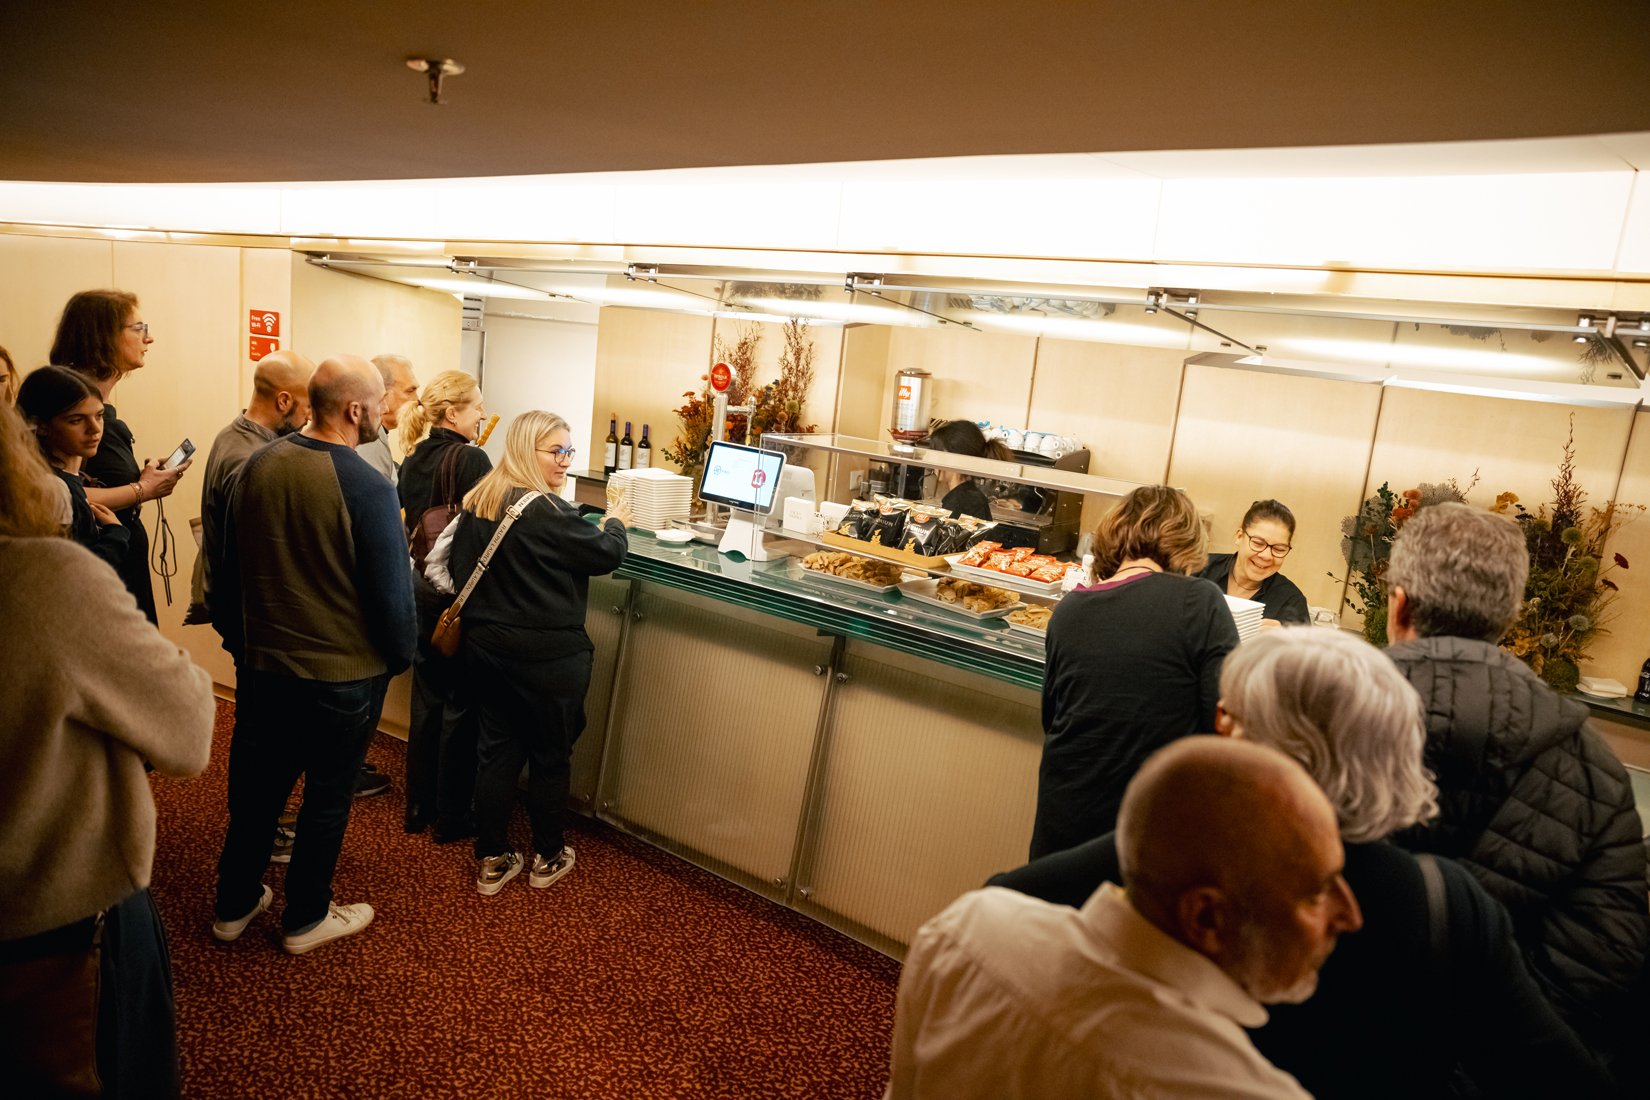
[777, 406]
[1569, 596]
[1366, 544]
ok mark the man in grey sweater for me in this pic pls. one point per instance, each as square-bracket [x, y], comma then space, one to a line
[314, 600]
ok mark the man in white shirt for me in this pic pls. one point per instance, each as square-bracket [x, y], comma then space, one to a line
[1233, 899]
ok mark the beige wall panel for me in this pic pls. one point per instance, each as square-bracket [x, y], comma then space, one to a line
[977, 375]
[645, 361]
[1243, 436]
[38, 275]
[1620, 654]
[336, 313]
[189, 386]
[1118, 400]
[863, 386]
[266, 284]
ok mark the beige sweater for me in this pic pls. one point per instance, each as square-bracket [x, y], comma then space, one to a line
[89, 690]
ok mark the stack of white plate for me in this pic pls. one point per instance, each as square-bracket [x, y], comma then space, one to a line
[1247, 614]
[654, 496]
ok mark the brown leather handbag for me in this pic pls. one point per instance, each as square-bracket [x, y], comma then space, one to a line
[448, 629]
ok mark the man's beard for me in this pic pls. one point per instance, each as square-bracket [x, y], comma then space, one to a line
[288, 425]
[1252, 975]
[367, 432]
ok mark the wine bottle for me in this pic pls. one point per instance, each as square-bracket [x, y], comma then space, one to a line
[1643, 693]
[627, 448]
[610, 459]
[644, 451]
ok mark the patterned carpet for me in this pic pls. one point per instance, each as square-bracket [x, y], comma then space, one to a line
[637, 976]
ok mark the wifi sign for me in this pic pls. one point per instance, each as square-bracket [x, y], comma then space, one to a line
[263, 322]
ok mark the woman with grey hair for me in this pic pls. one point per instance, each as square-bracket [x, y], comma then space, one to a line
[1434, 984]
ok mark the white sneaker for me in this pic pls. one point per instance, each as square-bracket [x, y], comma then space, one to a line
[227, 931]
[545, 872]
[495, 871]
[340, 921]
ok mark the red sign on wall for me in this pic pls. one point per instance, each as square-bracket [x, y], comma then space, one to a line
[721, 378]
[262, 346]
[264, 322]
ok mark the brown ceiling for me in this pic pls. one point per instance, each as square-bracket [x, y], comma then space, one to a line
[309, 90]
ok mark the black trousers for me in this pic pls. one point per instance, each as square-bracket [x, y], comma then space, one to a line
[288, 728]
[441, 737]
[529, 712]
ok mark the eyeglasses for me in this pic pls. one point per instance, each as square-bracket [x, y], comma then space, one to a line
[560, 454]
[141, 326]
[1257, 545]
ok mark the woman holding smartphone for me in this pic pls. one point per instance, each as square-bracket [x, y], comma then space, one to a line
[101, 336]
[67, 417]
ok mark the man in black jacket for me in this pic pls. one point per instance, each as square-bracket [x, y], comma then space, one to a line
[1532, 800]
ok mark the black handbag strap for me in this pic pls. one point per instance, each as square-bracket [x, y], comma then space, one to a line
[1437, 907]
[446, 478]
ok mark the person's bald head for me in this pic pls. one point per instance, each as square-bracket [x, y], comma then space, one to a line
[400, 385]
[280, 392]
[1230, 848]
[346, 397]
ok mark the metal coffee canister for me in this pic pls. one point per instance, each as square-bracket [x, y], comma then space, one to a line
[913, 389]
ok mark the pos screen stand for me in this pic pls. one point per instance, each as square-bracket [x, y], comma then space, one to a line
[746, 480]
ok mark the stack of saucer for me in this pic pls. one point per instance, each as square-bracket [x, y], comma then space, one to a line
[1247, 614]
[654, 496]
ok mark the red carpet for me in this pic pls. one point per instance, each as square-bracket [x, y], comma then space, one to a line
[636, 976]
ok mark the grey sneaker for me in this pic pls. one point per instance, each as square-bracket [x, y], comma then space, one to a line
[546, 871]
[340, 921]
[495, 871]
[227, 931]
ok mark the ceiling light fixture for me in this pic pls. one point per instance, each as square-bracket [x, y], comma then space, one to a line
[438, 69]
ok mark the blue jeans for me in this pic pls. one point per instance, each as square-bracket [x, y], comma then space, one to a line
[286, 727]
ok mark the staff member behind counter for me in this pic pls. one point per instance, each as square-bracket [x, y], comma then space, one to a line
[963, 495]
[1264, 539]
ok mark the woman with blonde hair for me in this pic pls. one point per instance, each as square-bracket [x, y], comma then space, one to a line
[1133, 662]
[524, 648]
[437, 430]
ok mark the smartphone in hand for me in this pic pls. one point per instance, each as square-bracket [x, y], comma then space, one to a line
[179, 456]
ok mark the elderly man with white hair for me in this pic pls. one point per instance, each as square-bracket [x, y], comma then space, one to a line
[1434, 982]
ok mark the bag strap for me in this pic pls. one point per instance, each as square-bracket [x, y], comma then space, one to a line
[1437, 907]
[446, 480]
[510, 516]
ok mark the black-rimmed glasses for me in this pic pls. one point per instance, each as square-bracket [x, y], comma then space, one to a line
[1257, 545]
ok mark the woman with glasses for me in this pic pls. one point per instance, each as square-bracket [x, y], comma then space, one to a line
[1133, 662]
[524, 650]
[1264, 539]
[437, 429]
[101, 336]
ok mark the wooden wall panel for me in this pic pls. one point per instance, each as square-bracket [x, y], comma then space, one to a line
[38, 275]
[1244, 436]
[645, 360]
[977, 375]
[1619, 654]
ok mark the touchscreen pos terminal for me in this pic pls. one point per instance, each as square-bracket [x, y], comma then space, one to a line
[746, 479]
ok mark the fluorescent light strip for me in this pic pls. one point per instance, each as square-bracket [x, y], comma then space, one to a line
[840, 312]
[1075, 328]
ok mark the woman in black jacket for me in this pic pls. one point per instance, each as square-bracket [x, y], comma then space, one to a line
[101, 336]
[1133, 663]
[437, 431]
[524, 646]
[67, 416]
[1426, 986]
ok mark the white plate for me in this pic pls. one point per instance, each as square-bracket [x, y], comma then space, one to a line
[1022, 628]
[925, 590]
[671, 534]
[1002, 580]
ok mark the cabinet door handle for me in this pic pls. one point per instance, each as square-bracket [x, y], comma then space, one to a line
[618, 610]
[637, 616]
[842, 677]
[819, 670]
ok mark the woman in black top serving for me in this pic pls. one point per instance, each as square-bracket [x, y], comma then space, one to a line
[1133, 663]
[963, 495]
[441, 466]
[524, 647]
[1264, 539]
[67, 417]
[101, 336]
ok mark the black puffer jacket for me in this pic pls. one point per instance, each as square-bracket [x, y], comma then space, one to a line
[1536, 805]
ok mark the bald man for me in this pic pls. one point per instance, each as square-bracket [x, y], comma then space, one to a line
[315, 602]
[400, 387]
[1233, 898]
[279, 406]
